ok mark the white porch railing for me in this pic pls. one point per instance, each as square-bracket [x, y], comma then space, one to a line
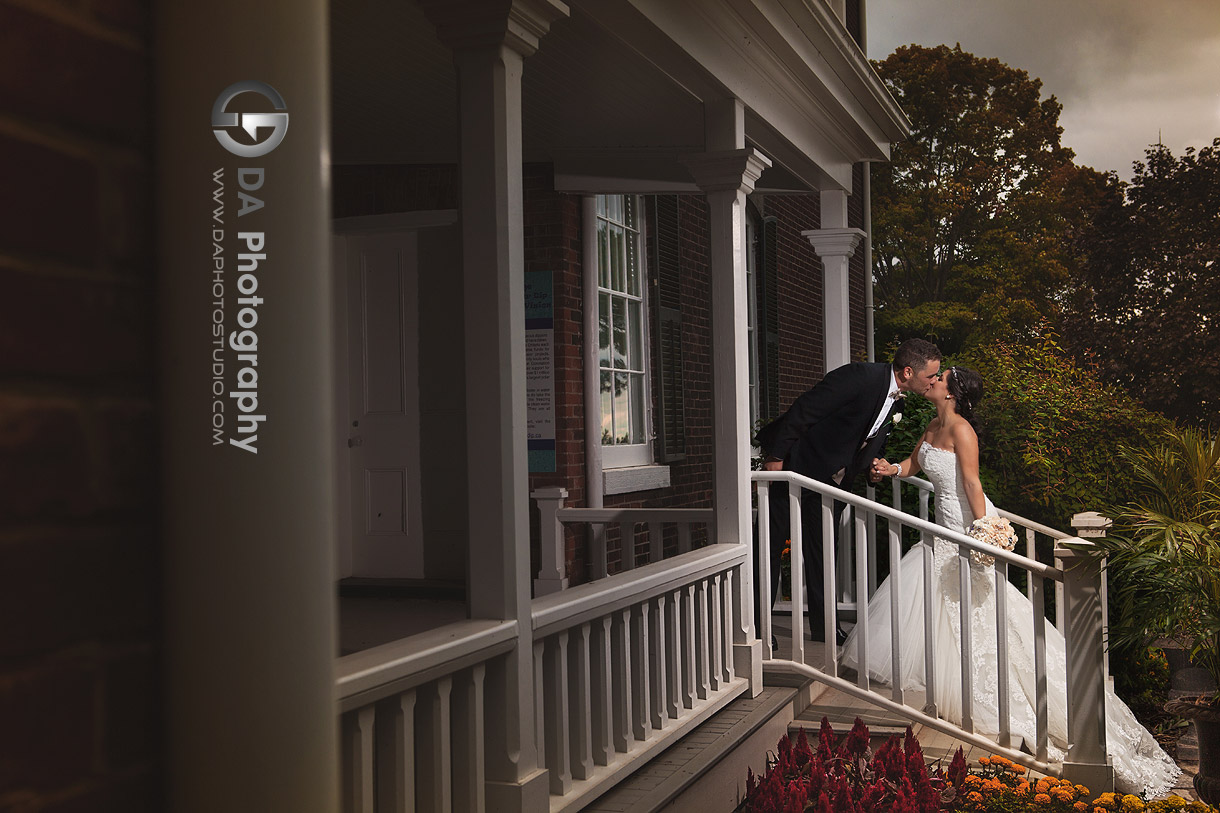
[1080, 608]
[624, 666]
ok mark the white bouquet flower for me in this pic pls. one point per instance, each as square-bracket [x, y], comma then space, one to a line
[994, 531]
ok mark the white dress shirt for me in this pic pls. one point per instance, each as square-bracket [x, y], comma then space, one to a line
[886, 405]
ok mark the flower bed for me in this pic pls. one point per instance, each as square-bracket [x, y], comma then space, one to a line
[850, 778]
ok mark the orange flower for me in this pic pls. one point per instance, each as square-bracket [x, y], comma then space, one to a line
[1080, 806]
[974, 797]
[984, 760]
[1082, 790]
[1063, 794]
[1042, 799]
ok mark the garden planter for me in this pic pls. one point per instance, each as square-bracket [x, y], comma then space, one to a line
[1207, 723]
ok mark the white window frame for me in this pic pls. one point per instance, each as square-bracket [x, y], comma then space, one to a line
[616, 456]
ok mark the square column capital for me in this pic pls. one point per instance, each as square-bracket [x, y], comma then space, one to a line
[466, 25]
[834, 242]
[727, 171]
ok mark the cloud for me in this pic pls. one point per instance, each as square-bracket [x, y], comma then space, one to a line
[1124, 70]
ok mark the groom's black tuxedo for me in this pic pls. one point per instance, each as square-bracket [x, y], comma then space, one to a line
[825, 431]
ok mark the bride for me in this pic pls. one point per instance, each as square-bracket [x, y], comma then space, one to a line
[948, 453]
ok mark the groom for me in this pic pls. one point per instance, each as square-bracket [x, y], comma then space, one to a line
[831, 434]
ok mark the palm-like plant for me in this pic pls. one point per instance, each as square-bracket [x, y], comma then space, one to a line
[1164, 549]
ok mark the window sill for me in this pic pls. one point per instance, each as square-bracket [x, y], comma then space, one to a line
[634, 478]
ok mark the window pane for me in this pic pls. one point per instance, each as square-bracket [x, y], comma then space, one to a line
[603, 255]
[632, 266]
[620, 332]
[607, 414]
[637, 409]
[636, 328]
[601, 205]
[614, 205]
[617, 250]
[603, 321]
[621, 408]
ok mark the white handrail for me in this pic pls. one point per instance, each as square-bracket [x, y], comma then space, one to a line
[962, 540]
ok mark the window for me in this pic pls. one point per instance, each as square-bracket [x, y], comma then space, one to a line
[622, 339]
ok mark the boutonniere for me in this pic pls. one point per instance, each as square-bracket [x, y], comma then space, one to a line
[896, 417]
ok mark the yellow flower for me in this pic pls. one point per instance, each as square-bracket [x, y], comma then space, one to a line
[1062, 794]
[1131, 804]
[1107, 800]
[1082, 790]
[1042, 799]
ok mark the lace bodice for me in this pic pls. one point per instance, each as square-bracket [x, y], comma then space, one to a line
[952, 505]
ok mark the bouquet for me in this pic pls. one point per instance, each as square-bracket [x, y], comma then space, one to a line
[994, 531]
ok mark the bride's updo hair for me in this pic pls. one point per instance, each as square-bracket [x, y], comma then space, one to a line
[966, 387]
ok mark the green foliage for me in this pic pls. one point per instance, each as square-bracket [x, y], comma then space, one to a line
[1164, 547]
[1048, 429]
[1145, 305]
[974, 218]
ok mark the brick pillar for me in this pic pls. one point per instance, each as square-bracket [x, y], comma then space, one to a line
[80, 581]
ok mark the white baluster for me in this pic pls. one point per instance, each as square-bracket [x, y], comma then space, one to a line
[689, 676]
[621, 659]
[1039, 609]
[358, 736]
[641, 683]
[895, 617]
[540, 709]
[873, 547]
[703, 638]
[718, 626]
[1001, 636]
[765, 580]
[861, 551]
[558, 745]
[660, 672]
[469, 757]
[726, 605]
[673, 656]
[967, 667]
[582, 707]
[603, 694]
[830, 658]
[796, 567]
[929, 626]
[396, 753]
[435, 776]
[1031, 552]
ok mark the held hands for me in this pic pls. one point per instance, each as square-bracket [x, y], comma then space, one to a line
[880, 468]
[772, 464]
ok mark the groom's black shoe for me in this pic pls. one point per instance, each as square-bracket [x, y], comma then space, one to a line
[819, 636]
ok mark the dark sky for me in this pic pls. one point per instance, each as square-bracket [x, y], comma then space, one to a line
[1127, 72]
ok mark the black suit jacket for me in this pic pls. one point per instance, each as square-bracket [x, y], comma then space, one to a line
[824, 429]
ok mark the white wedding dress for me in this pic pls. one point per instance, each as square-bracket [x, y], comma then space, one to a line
[1140, 765]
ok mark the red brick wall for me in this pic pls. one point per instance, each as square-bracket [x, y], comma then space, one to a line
[801, 347]
[80, 724]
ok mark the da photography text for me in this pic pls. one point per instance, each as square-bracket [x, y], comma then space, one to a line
[239, 251]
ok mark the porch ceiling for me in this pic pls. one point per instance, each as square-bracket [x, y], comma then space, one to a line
[394, 91]
[622, 83]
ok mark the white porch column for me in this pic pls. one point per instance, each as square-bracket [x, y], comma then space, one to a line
[249, 593]
[490, 41]
[727, 177]
[835, 243]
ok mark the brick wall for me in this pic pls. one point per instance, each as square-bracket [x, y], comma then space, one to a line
[802, 349]
[856, 274]
[79, 586]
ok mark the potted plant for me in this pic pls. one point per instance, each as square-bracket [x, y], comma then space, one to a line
[1164, 569]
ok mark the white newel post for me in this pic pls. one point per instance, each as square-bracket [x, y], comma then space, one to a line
[727, 177]
[1086, 762]
[835, 244]
[552, 573]
[490, 41]
[1092, 525]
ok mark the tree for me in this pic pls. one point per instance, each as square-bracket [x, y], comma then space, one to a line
[1146, 309]
[972, 231]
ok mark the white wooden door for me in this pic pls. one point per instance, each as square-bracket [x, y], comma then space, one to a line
[382, 429]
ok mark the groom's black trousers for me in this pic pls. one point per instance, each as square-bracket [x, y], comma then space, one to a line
[811, 544]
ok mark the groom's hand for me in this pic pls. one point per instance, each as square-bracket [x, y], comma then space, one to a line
[880, 468]
[773, 464]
